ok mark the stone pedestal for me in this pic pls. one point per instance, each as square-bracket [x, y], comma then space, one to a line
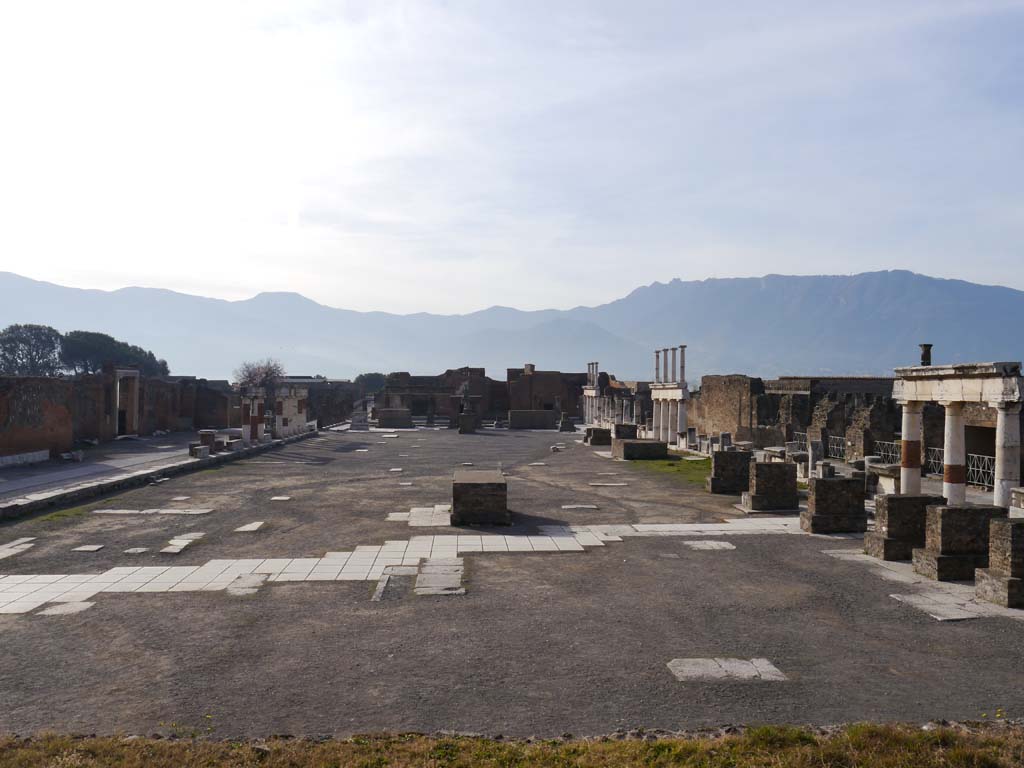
[899, 526]
[815, 453]
[598, 436]
[208, 437]
[955, 542]
[467, 423]
[835, 505]
[634, 450]
[730, 472]
[625, 432]
[1002, 582]
[480, 497]
[394, 418]
[566, 425]
[772, 488]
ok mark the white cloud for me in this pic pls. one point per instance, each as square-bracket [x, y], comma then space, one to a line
[424, 156]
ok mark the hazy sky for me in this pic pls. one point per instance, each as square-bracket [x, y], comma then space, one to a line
[448, 156]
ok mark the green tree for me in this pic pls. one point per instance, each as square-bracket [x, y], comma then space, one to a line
[30, 350]
[370, 383]
[88, 352]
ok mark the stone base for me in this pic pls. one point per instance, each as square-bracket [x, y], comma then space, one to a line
[752, 502]
[598, 436]
[877, 545]
[947, 567]
[480, 497]
[566, 425]
[633, 450]
[819, 523]
[995, 588]
[721, 485]
[467, 423]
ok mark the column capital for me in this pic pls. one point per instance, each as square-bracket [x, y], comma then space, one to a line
[911, 406]
[952, 404]
[1008, 407]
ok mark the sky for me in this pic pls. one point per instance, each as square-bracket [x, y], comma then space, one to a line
[449, 156]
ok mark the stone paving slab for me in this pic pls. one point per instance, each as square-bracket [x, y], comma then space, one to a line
[717, 669]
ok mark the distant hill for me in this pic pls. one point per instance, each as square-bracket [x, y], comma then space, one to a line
[775, 325]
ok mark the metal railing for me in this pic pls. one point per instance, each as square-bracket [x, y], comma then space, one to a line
[889, 452]
[981, 471]
[836, 447]
[800, 438]
[933, 460]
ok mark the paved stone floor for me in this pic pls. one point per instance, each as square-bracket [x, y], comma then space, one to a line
[641, 601]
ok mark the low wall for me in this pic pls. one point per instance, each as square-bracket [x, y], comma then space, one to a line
[532, 420]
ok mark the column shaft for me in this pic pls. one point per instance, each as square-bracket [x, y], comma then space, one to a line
[1007, 473]
[954, 470]
[910, 465]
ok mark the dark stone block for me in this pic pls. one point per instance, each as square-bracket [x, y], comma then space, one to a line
[394, 418]
[598, 436]
[1006, 547]
[467, 423]
[480, 497]
[624, 431]
[899, 526]
[994, 587]
[877, 545]
[947, 567]
[532, 420]
[730, 472]
[639, 449]
[960, 530]
[772, 487]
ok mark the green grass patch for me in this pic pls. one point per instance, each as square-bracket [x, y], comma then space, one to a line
[694, 472]
[877, 746]
[64, 514]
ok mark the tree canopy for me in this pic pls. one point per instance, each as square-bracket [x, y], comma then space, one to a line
[370, 383]
[260, 374]
[39, 350]
[87, 351]
[30, 350]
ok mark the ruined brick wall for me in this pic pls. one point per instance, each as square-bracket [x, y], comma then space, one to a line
[93, 406]
[35, 415]
[540, 390]
[159, 403]
[212, 408]
[877, 420]
[726, 404]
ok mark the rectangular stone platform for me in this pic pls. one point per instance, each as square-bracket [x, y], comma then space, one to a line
[835, 505]
[1002, 582]
[772, 488]
[956, 542]
[480, 497]
[899, 526]
[467, 423]
[394, 418]
[730, 472]
[634, 450]
[532, 420]
[597, 436]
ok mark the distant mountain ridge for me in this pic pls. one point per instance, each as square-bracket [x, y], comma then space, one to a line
[864, 324]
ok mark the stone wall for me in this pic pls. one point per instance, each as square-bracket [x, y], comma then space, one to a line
[34, 415]
[532, 420]
[533, 390]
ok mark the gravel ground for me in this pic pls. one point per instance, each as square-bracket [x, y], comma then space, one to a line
[541, 644]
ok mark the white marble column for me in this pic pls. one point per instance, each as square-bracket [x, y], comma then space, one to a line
[666, 421]
[910, 465]
[682, 363]
[657, 366]
[1007, 452]
[681, 424]
[954, 470]
[675, 369]
[655, 426]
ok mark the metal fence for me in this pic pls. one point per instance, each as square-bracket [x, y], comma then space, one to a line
[933, 460]
[800, 438]
[889, 453]
[981, 471]
[836, 447]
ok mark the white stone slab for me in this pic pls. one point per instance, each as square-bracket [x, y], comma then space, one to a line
[280, 498]
[689, 670]
[708, 545]
[88, 548]
[249, 527]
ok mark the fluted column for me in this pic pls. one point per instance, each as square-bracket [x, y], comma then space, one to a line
[681, 423]
[910, 464]
[1007, 473]
[674, 370]
[657, 365]
[954, 470]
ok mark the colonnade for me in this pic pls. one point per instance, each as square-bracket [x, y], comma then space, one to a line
[669, 395]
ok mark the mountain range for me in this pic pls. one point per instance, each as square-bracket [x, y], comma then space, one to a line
[864, 324]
